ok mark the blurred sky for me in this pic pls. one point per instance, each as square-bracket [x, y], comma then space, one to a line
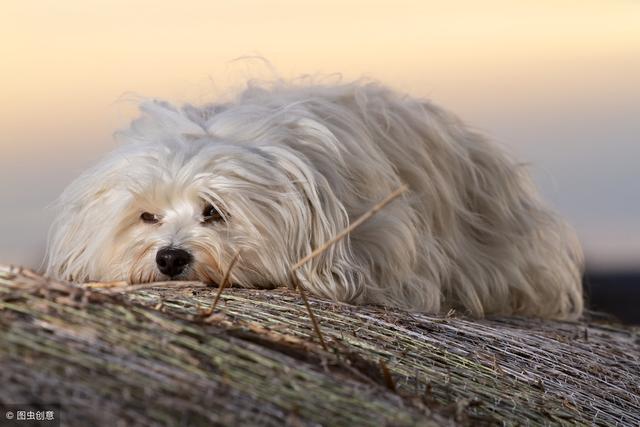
[557, 82]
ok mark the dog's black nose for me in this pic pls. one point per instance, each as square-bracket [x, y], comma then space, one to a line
[172, 261]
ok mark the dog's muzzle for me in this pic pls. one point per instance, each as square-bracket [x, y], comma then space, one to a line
[172, 261]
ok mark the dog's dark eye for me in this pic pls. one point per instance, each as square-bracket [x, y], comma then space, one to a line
[149, 218]
[211, 214]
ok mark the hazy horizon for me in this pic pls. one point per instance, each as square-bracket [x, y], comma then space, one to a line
[555, 82]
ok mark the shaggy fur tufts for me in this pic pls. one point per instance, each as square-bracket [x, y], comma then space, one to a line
[286, 167]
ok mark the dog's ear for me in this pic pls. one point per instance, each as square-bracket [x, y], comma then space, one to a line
[334, 273]
[87, 215]
[312, 214]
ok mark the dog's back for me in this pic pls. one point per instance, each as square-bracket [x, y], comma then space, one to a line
[473, 234]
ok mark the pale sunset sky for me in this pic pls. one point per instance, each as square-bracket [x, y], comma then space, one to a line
[555, 82]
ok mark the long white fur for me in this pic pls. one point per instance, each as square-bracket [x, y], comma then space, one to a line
[290, 165]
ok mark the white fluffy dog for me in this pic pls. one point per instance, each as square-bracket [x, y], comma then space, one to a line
[284, 168]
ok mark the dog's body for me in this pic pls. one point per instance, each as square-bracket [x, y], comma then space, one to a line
[281, 170]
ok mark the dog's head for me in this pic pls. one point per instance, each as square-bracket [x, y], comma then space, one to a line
[176, 203]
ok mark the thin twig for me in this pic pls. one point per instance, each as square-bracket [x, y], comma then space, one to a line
[105, 285]
[367, 215]
[143, 286]
[314, 321]
[225, 280]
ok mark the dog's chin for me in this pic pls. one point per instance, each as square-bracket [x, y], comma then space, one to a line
[156, 276]
[190, 275]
